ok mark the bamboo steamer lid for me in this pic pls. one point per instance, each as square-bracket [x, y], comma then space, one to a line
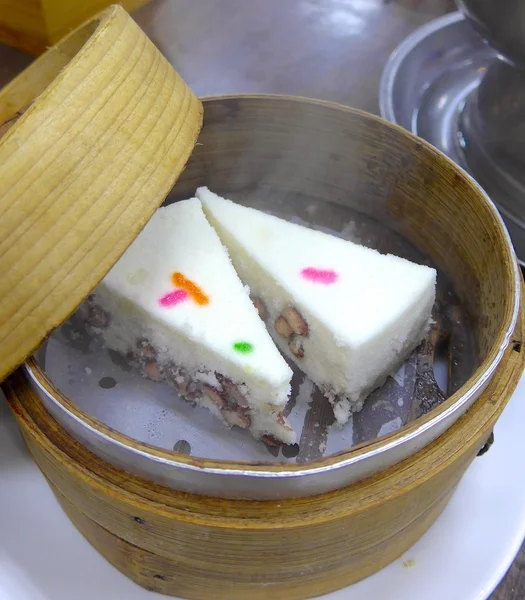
[106, 127]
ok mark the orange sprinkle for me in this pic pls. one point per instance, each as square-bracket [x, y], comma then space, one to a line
[193, 290]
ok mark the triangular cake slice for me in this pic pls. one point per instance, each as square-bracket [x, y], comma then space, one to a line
[347, 315]
[175, 308]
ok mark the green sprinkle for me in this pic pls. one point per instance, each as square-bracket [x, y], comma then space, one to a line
[243, 347]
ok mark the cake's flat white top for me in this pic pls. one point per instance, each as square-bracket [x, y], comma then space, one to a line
[462, 556]
[206, 301]
[328, 276]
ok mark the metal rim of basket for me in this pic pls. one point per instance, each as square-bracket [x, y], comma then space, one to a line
[407, 436]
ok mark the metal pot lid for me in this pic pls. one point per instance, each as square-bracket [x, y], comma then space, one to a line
[430, 86]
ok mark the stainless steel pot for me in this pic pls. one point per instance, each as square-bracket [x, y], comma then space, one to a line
[501, 23]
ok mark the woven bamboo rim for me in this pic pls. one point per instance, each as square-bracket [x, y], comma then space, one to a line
[109, 128]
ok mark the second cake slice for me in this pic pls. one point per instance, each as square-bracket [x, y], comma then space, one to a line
[347, 315]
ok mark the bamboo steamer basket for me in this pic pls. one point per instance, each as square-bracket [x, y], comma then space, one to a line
[204, 546]
[109, 127]
[289, 156]
[208, 548]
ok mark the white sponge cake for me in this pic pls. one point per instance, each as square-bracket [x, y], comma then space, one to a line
[174, 306]
[347, 315]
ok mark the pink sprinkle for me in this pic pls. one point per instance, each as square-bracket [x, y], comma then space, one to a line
[173, 298]
[324, 276]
